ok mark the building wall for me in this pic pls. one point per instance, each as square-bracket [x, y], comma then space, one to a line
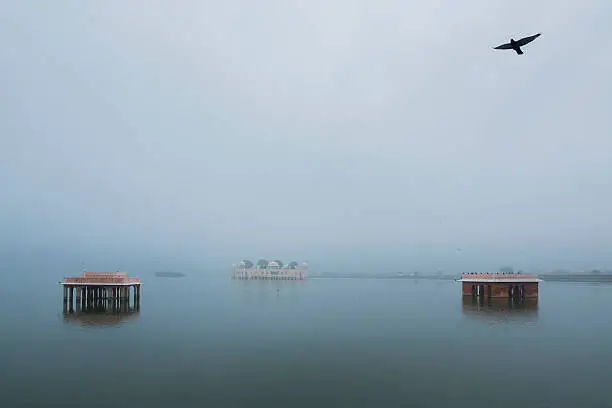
[500, 290]
[532, 290]
[466, 288]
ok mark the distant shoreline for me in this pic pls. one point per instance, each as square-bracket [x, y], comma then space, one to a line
[570, 278]
[577, 277]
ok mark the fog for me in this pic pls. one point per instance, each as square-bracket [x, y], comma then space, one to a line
[385, 134]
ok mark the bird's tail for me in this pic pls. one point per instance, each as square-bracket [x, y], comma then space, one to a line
[519, 51]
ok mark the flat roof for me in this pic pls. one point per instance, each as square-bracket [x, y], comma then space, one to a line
[100, 284]
[498, 278]
[101, 279]
[525, 280]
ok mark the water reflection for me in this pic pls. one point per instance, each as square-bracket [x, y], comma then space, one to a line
[101, 313]
[264, 292]
[479, 307]
[101, 318]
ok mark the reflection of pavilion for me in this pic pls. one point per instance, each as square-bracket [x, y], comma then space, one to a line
[108, 318]
[101, 313]
[486, 307]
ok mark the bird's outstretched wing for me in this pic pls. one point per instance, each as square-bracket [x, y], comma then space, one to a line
[527, 40]
[507, 46]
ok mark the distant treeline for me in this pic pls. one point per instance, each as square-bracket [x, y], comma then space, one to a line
[577, 277]
[551, 277]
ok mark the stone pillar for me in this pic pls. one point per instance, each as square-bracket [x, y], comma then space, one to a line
[70, 296]
[126, 299]
[113, 298]
[65, 303]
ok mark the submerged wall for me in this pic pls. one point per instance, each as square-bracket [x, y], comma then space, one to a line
[500, 290]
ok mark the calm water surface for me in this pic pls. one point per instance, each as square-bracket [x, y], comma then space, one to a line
[202, 341]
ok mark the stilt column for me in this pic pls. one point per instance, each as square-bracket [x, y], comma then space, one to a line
[70, 295]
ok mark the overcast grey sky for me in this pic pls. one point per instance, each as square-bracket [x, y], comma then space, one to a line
[297, 128]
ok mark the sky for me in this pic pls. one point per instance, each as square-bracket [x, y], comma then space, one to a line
[309, 130]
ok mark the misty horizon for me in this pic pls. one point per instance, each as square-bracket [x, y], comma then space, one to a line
[346, 134]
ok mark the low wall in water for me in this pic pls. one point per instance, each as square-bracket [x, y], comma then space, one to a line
[527, 290]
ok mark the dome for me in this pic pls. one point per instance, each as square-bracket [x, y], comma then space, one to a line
[245, 263]
[273, 264]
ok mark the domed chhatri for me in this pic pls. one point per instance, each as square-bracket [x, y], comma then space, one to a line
[269, 270]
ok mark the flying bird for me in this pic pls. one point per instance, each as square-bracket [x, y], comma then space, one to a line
[516, 45]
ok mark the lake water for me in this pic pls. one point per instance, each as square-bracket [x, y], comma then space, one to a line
[213, 342]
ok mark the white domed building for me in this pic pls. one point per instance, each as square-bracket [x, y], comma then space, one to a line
[269, 270]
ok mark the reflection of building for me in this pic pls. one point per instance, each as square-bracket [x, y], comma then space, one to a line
[499, 285]
[500, 311]
[273, 270]
[108, 318]
[507, 306]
